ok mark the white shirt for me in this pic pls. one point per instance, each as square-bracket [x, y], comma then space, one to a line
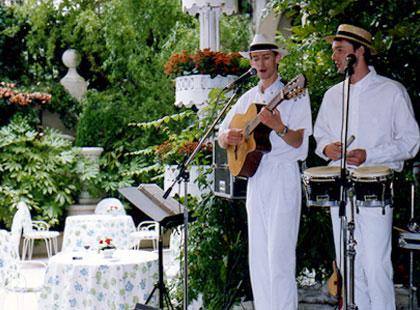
[381, 118]
[295, 113]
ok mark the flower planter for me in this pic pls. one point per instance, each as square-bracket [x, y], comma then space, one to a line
[171, 173]
[194, 89]
[87, 203]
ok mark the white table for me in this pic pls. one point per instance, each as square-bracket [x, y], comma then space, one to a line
[81, 230]
[96, 283]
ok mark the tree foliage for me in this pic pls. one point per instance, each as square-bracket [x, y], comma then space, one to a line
[393, 25]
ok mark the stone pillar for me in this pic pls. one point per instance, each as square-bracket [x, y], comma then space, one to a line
[72, 81]
[75, 85]
[209, 15]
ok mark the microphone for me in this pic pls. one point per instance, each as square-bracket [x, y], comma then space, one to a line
[241, 79]
[351, 60]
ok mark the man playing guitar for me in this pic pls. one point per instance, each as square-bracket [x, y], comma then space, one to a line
[274, 191]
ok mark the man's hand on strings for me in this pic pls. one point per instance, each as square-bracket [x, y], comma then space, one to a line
[232, 136]
[272, 119]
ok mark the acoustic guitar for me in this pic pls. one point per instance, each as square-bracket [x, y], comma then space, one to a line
[244, 158]
[335, 283]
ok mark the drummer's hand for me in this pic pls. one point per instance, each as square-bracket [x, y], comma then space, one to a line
[333, 151]
[271, 119]
[356, 157]
[232, 136]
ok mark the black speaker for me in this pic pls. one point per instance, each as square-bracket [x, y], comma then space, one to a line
[225, 185]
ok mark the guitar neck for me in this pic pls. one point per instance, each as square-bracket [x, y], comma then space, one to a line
[270, 106]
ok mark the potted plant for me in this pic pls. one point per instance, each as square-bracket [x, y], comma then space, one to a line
[106, 247]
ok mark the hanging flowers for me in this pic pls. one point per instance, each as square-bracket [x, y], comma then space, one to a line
[8, 92]
[206, 62]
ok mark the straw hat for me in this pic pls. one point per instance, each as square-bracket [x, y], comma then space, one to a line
[261, 43]
[353, 33]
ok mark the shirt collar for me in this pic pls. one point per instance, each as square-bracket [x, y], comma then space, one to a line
[365, 81]
[272, 89]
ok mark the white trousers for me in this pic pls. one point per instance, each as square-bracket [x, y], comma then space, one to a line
[273, 208]
[374, 288]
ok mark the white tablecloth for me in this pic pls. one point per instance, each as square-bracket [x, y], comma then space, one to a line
[95, 283]
[81, 230]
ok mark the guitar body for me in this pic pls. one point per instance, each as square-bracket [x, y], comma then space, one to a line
[244, 158]
[335, 283]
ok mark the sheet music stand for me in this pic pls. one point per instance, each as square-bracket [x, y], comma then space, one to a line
[168, 213]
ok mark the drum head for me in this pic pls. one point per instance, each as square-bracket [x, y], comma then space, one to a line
[374, 171]
[322, 171]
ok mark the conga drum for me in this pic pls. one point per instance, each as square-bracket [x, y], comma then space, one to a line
[373, 186]
[322, 186]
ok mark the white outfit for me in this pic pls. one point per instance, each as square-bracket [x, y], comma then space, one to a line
[273, 203]
[382, 120]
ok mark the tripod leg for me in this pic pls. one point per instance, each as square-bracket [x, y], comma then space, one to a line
[155, 286]
[167, 298]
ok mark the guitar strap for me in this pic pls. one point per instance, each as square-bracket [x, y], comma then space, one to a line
[285, 82]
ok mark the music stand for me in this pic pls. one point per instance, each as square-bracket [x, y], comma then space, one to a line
[168, 213]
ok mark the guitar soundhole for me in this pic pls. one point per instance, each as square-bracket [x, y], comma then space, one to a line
[236, 152]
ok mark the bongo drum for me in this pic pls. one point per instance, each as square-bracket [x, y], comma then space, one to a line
[373, 186]
[322, 186]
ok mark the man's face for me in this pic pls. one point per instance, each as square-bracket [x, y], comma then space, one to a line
[341, 49]
[265, 62]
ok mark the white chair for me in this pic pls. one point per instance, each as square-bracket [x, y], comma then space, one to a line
[146, 230]
[17, 276]
[32, 230]
[111, 206]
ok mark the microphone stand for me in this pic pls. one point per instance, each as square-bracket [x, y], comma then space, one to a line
[183, 175]
[347, 249]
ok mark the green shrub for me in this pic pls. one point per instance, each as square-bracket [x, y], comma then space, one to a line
[37, 167]
[218, 252]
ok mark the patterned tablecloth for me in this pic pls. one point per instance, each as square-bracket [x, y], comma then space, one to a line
[8, 258]
[91, 282]
[81, 230]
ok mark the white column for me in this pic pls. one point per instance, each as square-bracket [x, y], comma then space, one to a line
[209, 12]
[209, 28]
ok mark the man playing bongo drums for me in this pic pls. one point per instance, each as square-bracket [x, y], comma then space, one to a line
[382, 120]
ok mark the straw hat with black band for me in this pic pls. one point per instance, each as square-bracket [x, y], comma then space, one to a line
[353, 33]
[261, 43]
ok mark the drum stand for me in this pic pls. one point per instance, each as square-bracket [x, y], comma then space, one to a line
[347, 249]
[411, 241]
[348, 252]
